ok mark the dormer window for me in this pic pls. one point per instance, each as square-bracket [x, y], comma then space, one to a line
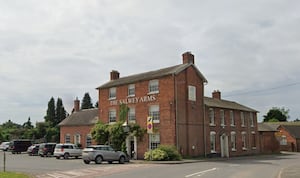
[153, 86]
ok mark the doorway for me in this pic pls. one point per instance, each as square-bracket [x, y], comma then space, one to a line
[224, 146]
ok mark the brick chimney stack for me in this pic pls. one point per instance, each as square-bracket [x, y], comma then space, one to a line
[188, 58]
[114, 75]
[76, 105]
[216, 94]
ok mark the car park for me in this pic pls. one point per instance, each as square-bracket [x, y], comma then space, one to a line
[33, 149]
[46, 149]
[19, 146]
[99, 153]
[66, 150]
[4, 146]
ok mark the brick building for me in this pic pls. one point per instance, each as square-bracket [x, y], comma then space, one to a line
[231, 128]
[172, 96]
[76, 127]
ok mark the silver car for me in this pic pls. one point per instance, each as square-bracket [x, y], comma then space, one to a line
[99, 153]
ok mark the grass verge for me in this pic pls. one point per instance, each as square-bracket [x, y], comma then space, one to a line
[13, 175]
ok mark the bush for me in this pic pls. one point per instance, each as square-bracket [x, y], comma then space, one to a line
[155, 155]
[163, 153]
[173, 154]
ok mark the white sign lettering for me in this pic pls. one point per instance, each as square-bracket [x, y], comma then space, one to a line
[134, 100]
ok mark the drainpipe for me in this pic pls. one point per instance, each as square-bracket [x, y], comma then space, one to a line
[176, 112]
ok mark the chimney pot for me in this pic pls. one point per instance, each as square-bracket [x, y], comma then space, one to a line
[216, 94]
[188, 58]
[114, 75]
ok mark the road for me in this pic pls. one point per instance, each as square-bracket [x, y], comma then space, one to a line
[246, 167]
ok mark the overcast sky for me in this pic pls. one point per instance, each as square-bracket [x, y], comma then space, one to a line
[249, 50]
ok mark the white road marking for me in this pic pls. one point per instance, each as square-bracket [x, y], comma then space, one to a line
[201, 172]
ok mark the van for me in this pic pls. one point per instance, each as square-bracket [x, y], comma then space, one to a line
[19, 146]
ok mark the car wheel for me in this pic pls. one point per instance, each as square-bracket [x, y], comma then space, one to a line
[109, 162]
[86, 161]
[98, 160]
[57, 157]
[66, 156]
[122, 160]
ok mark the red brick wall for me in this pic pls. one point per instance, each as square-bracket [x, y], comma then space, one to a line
[238, 129]
[73, 130]
[291, 141]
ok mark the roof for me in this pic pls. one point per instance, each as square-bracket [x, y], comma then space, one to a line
[220, 103]
[265, 127]
[294, 130]
[81, 118]
[173, 70]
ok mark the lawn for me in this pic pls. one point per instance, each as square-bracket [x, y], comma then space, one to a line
[13, 175]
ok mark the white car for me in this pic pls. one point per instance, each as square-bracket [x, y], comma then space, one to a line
[66, 150]
[4, 146]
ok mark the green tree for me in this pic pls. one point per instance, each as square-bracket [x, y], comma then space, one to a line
[28, 124]
[86, 102]
[60, 112]
[277, 114]
[50, 115]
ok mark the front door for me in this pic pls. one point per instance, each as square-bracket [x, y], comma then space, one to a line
[131, 147]
[224, 146]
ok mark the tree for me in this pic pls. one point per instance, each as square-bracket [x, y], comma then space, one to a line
[28, 124]
[60, 112]
[51, 116]
[277, 115]
[86, 102]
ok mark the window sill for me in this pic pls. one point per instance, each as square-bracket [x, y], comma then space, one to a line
[153, 92]
[111, 123]
[156, 121]
[244, 149]
[233, 149]
[253, 148]
[213, 125]
[232, 125]
[110, 99]
[130, 96]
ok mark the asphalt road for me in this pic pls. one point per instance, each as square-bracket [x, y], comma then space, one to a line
[280, 166]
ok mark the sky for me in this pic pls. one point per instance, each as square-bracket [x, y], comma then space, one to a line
[249, 50]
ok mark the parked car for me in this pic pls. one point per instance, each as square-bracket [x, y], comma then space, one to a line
[4, 146]
[99, 153]
[66, 150]
[18, 146]
[33, 150]
[46, 149]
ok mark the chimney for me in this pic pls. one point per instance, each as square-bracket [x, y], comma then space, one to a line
[188, 58]
[114, 75]
[216, 94]
[76, 105]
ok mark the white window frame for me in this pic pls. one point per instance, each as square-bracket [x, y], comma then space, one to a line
[233, 140]
[232, 120]
[88, 140]
[154, 141]
[112, 93]
[77, 139]
[154, 113]
[67, 138]
[211, 115]
[112, 116]
[244, 140]
[192, 93]
[283, 140]
[242, 119]
[153, 86]
[253, 140]
[251, 119]
[213, 142]
[131, 115]
[222, 117]
[131, 90]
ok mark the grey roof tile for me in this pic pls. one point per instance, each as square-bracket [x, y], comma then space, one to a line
[81, 118]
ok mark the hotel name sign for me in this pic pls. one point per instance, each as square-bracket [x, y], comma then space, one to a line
[134, 100]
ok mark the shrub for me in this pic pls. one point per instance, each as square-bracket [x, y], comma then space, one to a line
[163, 153]
[173, 154]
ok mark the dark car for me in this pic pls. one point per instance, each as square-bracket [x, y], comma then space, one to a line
[19, 146]
[33, 149]
[46, 149]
